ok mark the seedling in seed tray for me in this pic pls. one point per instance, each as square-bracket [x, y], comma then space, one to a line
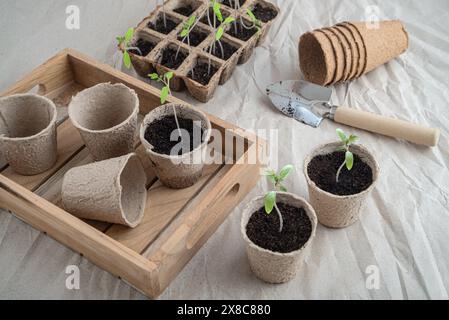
[165, 92]
[188, 26]
[218, 31]
[256, 22]
[270, 198]
[163, 13]
[349, 156]
[126, 41]
[185, 32]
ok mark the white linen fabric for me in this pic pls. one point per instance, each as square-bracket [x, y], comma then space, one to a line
[403, 231]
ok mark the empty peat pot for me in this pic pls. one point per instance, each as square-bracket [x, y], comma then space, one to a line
[339, 210]
[280, 263]
[112, 191]
[176, 170]
[106, 117]
[28, 133]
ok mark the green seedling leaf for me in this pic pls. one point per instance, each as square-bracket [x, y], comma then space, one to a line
[342, 135]
[164, 94]
[127, 60]
[285, 172]
[184, 32]
[270, 200]
[352, 139]
[219, 33]
[349, 160]
[169, 75]
[191, 20]
[251, 15]
[129, 34]
[154, 76]
[229, 20]
[283, 189]
[217, 11]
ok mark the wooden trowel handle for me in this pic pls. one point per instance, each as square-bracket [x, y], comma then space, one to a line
[387, 126]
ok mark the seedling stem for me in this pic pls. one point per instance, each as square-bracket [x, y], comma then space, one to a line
[165, 92]
[185, 32]
[218, 31]
[349, 156]
[164, 18]
[270, 198]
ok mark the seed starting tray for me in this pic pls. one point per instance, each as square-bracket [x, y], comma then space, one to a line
[145, 65]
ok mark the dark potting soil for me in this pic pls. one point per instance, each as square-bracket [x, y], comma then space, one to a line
[228, 50]
[231, 3]
[185, 10]
[159, 132]
[170, 60]
[242, 33]
[211, 15]
[160, 27]
[195, 37]
[263, 229]
[323, 170]
[145, 47]
[264, 14]
[201, 73]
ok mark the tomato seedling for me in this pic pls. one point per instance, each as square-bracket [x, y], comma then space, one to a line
[270, 197]
[126, 42]
[165, 91]
[349, 156]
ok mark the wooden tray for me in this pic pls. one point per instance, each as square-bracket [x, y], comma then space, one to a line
[176, 222]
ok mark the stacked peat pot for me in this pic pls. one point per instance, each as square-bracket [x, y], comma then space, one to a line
[159, 42]
[349, 50]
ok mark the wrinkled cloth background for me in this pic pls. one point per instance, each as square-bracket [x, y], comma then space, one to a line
[405, 229]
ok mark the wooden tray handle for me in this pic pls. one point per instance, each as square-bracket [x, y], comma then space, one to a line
[387, 126]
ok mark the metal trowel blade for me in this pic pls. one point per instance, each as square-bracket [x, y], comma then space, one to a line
[300, 100]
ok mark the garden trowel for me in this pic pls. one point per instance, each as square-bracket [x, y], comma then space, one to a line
[310, 103]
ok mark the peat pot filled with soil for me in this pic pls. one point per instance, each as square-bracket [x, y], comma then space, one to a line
[195, 38]
[232, 3]
[208, 18]
[264, 13]
[203, 79]
[339, 204]
[244, 33]
[142, 47]
[178, 162]
[274, 255]
[163, 24]
[186, 7]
